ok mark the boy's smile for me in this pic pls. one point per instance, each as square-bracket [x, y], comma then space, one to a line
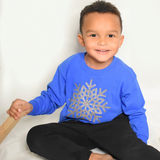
[101, 36]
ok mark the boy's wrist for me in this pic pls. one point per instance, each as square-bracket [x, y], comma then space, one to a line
[33, 106]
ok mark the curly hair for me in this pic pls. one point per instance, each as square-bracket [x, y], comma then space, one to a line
[99, 6]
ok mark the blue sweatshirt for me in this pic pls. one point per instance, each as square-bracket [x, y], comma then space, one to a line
[94, 96]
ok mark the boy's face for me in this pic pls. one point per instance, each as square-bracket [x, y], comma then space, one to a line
[101, 36]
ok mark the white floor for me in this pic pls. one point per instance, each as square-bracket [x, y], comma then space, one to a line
[14, 145]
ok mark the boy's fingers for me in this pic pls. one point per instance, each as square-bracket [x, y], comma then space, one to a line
[16, 108]
[13, 115]
[19, 106]
[17, 114]
[14, 112]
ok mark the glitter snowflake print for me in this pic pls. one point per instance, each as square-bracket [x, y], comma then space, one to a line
[87, 102]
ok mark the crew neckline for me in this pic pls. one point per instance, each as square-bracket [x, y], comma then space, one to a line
[95, 71]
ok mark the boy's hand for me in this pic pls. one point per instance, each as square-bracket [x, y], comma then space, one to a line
[19, 106]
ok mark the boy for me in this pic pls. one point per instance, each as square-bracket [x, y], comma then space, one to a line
[104, 104]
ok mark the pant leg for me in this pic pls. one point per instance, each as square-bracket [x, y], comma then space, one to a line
[118, 139]
[60, 141]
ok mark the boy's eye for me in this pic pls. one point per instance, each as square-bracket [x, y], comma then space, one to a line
[93, 35]
[110, 35]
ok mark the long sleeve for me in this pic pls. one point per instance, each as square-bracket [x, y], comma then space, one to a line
[133, 106]
[51, 99]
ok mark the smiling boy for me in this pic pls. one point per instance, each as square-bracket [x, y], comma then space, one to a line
[101, 37]
[104, 104]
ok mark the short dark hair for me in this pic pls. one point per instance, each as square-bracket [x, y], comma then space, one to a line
[99, 6]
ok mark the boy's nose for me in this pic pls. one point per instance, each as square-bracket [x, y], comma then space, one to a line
[102, 42]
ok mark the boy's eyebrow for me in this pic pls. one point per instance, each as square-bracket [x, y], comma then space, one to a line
[90, 31]
[114, 31]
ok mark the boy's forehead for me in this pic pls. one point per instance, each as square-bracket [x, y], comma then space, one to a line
[95, 18]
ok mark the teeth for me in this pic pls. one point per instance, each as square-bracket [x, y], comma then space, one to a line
[103, 50]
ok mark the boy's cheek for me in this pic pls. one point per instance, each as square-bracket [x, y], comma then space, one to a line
[91, 42]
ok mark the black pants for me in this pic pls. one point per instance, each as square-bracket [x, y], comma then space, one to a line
[73, 140]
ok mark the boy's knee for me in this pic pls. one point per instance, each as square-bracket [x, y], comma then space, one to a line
[32, 138]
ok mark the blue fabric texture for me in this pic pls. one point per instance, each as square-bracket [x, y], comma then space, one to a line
[94, 96]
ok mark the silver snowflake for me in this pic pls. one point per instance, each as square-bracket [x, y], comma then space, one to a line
[86, 103]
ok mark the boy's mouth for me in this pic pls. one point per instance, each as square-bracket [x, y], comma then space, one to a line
[102, 51]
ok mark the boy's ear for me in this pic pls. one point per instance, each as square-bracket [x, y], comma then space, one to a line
[80, 39]
[121, 40]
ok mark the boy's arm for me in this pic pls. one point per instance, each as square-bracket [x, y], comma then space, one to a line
[133, 106]
[51, 99]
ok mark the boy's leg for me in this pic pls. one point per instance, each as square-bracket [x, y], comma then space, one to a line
[59, 141]
[118, 139]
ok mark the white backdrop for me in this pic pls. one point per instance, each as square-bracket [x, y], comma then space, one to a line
[37, 35]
